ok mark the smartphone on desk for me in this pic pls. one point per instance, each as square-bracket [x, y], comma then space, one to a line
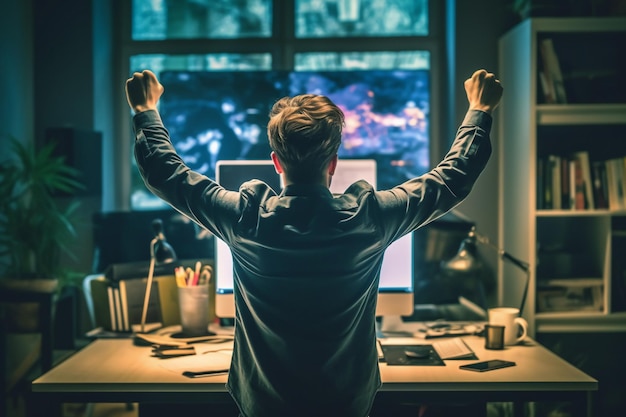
[487, 365]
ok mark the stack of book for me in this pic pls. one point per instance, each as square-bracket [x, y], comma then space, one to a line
[574, 182]
[118, 305]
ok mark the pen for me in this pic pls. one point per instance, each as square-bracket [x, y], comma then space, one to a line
[205, 275]
[200, 374]
[196, 274]
[189, 274]
[179, 273]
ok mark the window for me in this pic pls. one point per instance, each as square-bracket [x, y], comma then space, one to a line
[361, 18]
[224, 63]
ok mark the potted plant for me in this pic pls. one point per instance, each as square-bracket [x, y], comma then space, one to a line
[35, 228]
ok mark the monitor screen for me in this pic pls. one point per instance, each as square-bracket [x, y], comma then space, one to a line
[395, 296]
[223, 115]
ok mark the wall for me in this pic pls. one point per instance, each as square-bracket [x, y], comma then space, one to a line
[478, 26]
[71, 90]
[16, 71]
[63, 45]
[51, 76]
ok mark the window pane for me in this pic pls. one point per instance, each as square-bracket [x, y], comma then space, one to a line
[163, 62]
[386, 99]
[362, 60]
[141, 198]
[344, 18]
[224, 19]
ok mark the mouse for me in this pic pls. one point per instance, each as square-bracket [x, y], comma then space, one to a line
[417, 354]
[440, 326]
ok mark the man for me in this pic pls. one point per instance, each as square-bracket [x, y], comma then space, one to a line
[306, 262]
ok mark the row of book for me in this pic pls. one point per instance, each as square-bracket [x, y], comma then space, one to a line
[118, 305]
[574, 182]
[570, 295]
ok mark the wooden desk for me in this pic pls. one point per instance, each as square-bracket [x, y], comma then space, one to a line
[116, 371]
[540, 375]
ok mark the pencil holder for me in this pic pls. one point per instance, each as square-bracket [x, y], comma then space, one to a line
[194, 310]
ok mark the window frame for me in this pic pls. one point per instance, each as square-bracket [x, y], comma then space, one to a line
[282, 45]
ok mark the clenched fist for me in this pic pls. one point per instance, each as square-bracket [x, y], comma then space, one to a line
[483, 91]
[143, 91]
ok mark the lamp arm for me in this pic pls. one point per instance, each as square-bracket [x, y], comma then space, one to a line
[508, 257]
[146, 299]
[524, 266]
[504, 255]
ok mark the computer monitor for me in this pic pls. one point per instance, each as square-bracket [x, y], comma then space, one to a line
[230, 175]
[395, 288]
[395, 291]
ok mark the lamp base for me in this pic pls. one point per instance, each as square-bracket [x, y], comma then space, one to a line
[148, 328]
[139, 341]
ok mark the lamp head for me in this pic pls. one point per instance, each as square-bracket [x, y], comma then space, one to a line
[162, 251]
[466, 259]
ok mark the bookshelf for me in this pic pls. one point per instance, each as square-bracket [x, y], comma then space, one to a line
[574, 247]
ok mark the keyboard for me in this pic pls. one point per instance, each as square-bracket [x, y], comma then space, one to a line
[453, 348]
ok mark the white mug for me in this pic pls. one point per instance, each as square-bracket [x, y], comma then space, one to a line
[509, 318]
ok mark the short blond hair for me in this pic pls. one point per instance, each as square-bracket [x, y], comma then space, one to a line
[305, 133]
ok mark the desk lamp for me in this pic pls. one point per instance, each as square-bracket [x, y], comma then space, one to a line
[161, 253]
[465, 260]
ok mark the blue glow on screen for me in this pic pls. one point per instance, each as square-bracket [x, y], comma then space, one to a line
[213, 115]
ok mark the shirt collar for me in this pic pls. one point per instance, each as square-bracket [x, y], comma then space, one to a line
[306, 190]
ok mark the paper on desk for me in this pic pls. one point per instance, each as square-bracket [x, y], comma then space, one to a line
[428, 330]
[458, 329]
[208, 357]
[167, 340]
[167, 336]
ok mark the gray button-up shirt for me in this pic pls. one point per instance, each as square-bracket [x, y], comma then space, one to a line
[306, 266]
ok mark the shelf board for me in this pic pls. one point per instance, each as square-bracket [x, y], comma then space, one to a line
[580, 321]
[571, 282]
[581, 114]
[575, 213]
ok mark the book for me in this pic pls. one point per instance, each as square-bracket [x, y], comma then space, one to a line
[572, 184]
[615, 176]
[620, 178]
[552, 68]
[100, 301]
[132, 295]
[565, 185]
[117, 302]
[111, 304]
[546, 87]
[549, 195]
[579, 187]
[585, 166]
[168, 299]
[598, 174]
[555, 166]
[540, 183]
[614, 203]
[453, 348]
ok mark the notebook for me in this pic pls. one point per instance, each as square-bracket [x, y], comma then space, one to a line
[453, 348]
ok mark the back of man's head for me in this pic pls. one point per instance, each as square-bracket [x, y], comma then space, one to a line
[305, 133]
